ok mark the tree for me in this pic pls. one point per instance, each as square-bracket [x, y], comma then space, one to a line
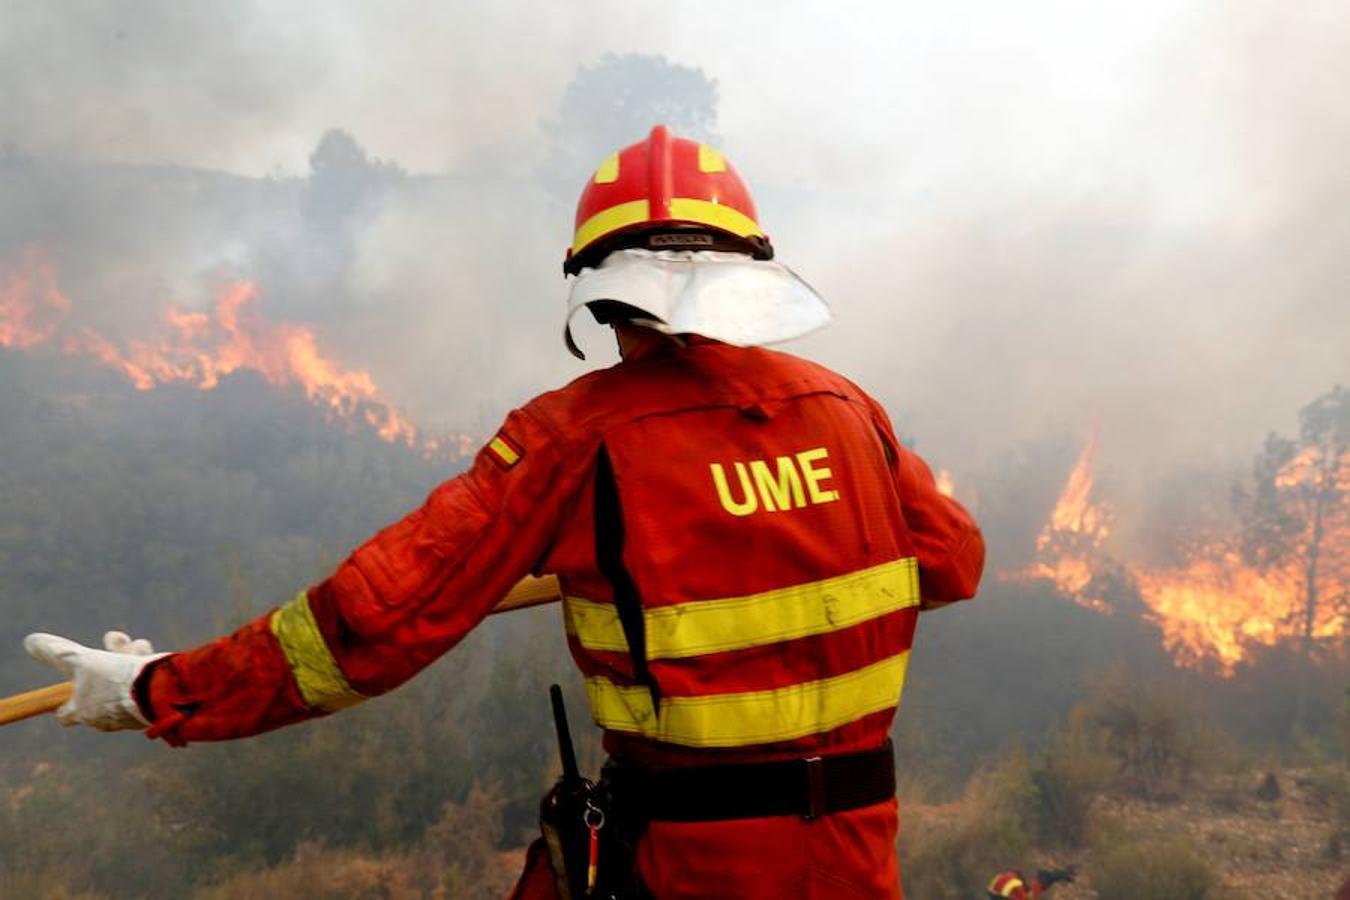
[614, 103]
[1296, 517]
[344, 182]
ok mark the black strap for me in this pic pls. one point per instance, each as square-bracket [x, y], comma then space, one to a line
[677, 237]
[808, 788]
[609, 560]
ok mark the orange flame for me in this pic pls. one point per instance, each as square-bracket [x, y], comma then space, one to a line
[32, 307]
[1216, 607]
[946, 484]
[1070, 545]
[1074, 512]
[201, 348]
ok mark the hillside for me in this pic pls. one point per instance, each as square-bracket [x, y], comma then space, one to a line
[1263, 841]
[178, 513]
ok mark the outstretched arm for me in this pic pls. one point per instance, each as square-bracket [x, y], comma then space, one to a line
[397, 603]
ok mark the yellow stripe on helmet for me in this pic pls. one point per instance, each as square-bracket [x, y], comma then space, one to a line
[607, 220]
[608, 173]
[710, 160]
[716, 215]
[682, 209]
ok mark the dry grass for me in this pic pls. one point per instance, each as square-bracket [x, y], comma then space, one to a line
[1258, 847]
[1217, 832]
[1158, 868]
[317, 873]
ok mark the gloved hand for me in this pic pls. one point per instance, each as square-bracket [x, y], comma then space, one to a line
[1048, 877]
[103, 678]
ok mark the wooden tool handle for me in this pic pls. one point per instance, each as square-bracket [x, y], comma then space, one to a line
[528, 591]
[34, 703]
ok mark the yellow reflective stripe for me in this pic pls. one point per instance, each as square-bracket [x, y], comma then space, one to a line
[503, 451]
[595, 625]
[736, 623]
[316, 672]
[608, 173]
[612, 219]
[752, 717]
[709, 160]
[687, 209]
[714, 214]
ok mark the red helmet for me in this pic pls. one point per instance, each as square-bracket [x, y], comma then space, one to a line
[664, 193]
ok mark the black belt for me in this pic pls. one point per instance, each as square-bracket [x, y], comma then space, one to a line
[809, 788]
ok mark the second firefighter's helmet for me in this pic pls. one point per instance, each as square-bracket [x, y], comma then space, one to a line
[664, 193]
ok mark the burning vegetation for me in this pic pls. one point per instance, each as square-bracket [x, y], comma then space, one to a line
[201, 348]
[32, 306]
[1069, 547]
[1280, 576]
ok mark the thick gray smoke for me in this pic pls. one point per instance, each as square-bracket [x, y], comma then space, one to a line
[1027, 224]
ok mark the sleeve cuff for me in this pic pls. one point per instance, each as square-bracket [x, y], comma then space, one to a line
[140, 689]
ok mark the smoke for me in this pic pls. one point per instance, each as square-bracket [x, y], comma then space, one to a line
[1177, 275]
[1028, 220]
[1033, 220]
[151, 82]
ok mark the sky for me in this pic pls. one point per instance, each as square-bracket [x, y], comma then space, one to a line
[1031, 219]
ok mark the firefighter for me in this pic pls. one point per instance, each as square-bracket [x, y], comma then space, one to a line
[1013, 885]
[743, 544]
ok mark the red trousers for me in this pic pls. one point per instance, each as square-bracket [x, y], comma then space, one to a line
[845, 856]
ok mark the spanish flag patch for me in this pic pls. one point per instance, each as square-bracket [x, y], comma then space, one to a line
[504, 451]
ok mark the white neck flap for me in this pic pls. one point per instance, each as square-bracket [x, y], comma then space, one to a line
[728, 297]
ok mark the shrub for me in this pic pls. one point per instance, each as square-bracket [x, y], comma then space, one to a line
[456, 858]
[58, 836]
[318, 873]
[1075, 768]
[1330, 784]
[1155, 738]
[458, 855]
[949, 854]
[1156, 868]
[51, 884]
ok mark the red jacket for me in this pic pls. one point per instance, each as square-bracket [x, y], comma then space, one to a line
[773, 525]
[780, 540]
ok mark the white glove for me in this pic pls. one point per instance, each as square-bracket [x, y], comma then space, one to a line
[103, 678]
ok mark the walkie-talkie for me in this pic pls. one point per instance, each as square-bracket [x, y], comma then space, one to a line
[562, 813]
[566, 751]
